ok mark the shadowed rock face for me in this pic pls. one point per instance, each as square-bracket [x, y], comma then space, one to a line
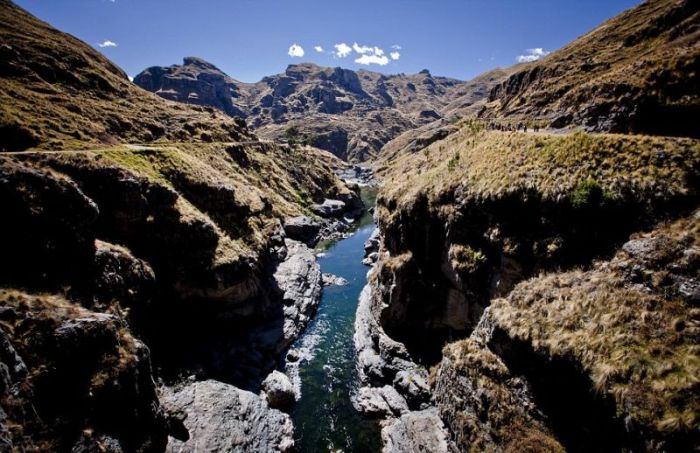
[196, 82]
[73, 379]
[351, 114]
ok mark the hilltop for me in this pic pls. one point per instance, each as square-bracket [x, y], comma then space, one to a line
[349, 113]
[636, 73]
[58, 92]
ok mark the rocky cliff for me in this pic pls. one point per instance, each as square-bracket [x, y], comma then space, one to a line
[118, 256]
[527, 287]
[351, 114]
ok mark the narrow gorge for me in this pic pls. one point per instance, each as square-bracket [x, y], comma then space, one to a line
[330, 260]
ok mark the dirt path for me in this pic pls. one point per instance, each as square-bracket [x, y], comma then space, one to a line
[129, 147]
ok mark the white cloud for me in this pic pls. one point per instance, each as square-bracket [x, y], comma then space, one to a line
[396, 47]
[369, 59]
[295, 50]
[395, 55]
[342, 50]
[107, 43]
[318, 49]
[361, 49]
[532, 55]
[370, 55]
[131, 79]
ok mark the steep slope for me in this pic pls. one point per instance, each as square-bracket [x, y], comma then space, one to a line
[465, 221]
[471, 98]
[116, 254]
[540, 288]
[617, 342]
[57, 92]
[352, 114]
[637, 72]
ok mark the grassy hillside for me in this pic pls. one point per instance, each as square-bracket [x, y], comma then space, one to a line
[636, 72]
[57, 92]
[486, 164]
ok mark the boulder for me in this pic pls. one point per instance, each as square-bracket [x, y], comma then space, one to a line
[302, 228]
[329, 208]
[223, 418]
[417, 432]
[278, 391]
[380, 401]
[298, 278]
[333, 280]
[293, 355]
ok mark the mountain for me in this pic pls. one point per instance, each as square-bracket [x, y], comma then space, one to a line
[468, 102]
[537, 290]
[351, 114]
[637, 72]
[58, 92]
[144, 240]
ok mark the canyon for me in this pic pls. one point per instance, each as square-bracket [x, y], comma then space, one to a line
[336, 260]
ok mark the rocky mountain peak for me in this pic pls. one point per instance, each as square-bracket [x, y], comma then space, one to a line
[200, 63]
[328, 106]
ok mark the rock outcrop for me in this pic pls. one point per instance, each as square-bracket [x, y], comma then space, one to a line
[279, 391]
[196, 82]
[221, 417]
[302, 228]
[616, 342]
[351, 114]
[299, 279]
[416, 432]
[73, 379]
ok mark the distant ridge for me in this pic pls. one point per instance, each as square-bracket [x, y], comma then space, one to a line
[350, 113]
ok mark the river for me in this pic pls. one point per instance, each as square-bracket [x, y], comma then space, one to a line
[324, 419]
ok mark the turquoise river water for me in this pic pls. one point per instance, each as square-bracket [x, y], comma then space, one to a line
[324, 419]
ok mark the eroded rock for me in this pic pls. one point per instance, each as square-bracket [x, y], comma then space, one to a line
[417, 432]
[278, 391]
[333, 280]
[302, 228]
[329, 208]
[223, 418]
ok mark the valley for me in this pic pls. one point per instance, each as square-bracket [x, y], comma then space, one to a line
[336, 260]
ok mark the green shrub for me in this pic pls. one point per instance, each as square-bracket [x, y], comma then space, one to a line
[586, 193]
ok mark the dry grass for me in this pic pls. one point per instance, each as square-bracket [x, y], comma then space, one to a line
[638, 342]
[239, 190]
[646, 55]
[483, 164]
[57, 92]
[485, 406]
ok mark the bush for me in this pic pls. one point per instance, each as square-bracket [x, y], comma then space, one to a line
[586, 193]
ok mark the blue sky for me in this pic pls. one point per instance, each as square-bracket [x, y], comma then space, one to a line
[249, 39]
